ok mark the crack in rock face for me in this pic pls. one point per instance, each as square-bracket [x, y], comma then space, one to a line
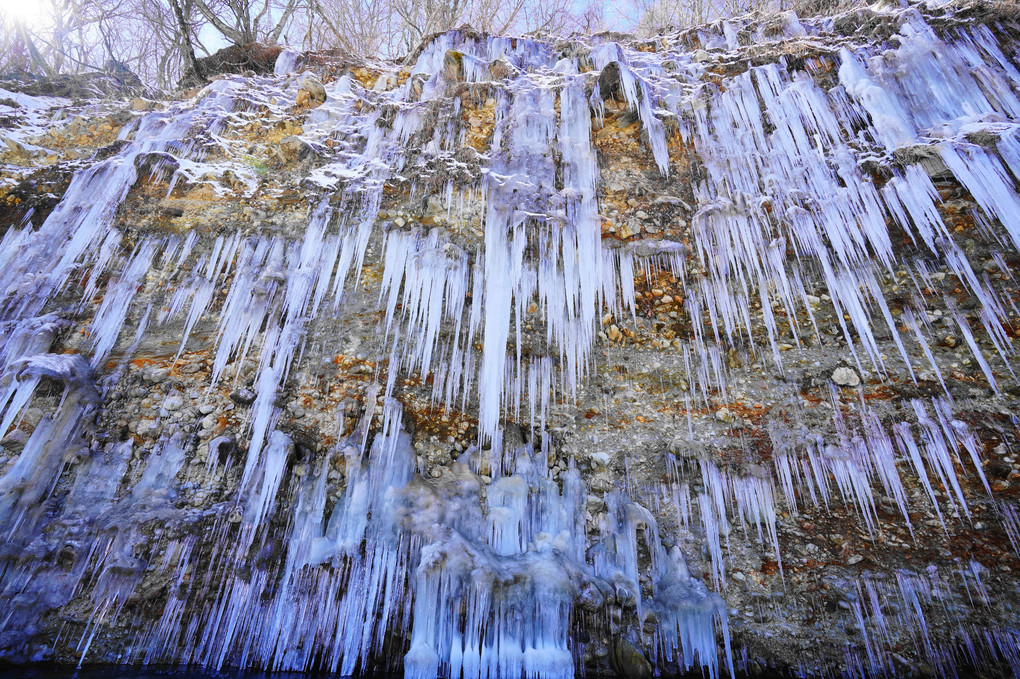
[525, 358]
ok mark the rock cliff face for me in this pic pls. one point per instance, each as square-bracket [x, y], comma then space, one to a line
[526, 357]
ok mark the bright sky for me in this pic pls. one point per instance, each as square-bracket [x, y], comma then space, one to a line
[36, 13]
[29, 11]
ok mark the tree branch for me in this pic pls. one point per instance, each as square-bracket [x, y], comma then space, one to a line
[230, 33]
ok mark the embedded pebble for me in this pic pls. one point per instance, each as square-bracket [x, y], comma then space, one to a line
[243, 397]
[845, 377]
[172, 403]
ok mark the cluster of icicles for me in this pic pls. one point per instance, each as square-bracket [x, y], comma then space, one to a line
[494, 586]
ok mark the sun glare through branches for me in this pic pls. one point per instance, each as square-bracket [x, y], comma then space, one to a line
[29, 12]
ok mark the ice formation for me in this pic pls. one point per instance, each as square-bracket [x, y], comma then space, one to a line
[808, 180]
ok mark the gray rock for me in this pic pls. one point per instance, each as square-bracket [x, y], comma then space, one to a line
[500, 69]
[628, 662]
[139, 104]
[172, 403]
[589, 598]
[385, 82]
[33, 416]
[293, 149]
[142, 427]
[17, 149]
[845, 377]
[315, 90]
[16, 437]
[609, 82]
[452, 65]
[243, 397]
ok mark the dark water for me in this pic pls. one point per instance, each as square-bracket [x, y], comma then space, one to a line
[121, 672]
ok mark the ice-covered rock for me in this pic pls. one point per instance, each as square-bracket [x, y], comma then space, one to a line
[521, 361]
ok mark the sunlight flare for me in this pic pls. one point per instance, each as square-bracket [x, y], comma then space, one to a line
[29, 12]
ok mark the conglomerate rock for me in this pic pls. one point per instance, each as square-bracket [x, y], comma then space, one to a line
[526, 356]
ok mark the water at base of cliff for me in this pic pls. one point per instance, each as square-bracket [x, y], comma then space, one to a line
[124, 672]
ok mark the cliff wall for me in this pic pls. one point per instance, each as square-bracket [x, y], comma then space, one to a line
[526, 356]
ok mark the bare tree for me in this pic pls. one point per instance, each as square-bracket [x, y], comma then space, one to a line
[185, 29]
[161, 40]
[244, 22]
[33, 60]
[589, 19]
[815, 7]
[420, 18]
[360, 26]
[659, 15]
[14, 56]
